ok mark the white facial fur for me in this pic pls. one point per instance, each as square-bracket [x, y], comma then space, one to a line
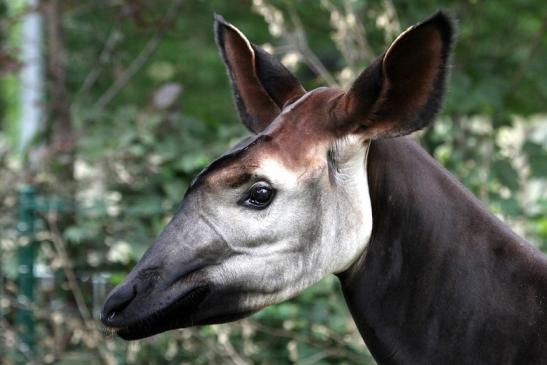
[318, 223]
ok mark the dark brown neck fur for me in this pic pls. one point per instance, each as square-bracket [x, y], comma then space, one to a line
[442, 280]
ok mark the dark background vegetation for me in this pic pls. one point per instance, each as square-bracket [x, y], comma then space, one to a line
[137, 102]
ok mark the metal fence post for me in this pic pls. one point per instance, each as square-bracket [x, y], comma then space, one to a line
[25, 271]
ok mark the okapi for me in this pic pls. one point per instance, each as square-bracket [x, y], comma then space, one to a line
[328, 185]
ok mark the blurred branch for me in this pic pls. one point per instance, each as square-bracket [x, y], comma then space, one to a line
[133, 68]
[391, 26]
[222, 353]
[300, 40]
[111, 42]
[12, 302]
[297, 37]
[94, 335]
[145, 54]
[62, 137]
[349, 35]
[334, 351]
[313, 359]
[60, 247]
[224, 341]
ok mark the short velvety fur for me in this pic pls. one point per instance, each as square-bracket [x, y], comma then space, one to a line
[442, 280]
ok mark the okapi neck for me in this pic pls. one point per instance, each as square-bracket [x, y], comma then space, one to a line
[442, 280]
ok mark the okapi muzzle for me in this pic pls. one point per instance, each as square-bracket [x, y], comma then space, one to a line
[291, 204]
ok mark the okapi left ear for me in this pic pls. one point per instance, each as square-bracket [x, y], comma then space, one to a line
[402, 90]
[260, 83]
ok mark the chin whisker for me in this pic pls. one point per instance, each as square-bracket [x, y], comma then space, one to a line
[110, 332]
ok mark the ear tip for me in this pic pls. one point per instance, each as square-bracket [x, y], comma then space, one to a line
[445, 22]
[218, 19]
[219, 24]
[219, 27]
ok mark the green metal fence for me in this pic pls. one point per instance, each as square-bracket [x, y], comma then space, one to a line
[26, 252]
[30, 207]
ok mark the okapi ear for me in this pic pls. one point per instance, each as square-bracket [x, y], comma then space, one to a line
[402, 90]
[260, 83]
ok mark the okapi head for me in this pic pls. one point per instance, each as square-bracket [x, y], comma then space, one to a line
[289, 205]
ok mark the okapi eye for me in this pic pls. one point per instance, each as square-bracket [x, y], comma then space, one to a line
[259, 196]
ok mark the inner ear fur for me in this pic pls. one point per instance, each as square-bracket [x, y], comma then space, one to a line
[402, 90]
[260, 83]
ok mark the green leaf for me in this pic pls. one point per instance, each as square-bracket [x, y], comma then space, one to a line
[506, 174]
[175, 190]
[537, 158]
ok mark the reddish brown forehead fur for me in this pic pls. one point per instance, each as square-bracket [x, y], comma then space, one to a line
[298, 139]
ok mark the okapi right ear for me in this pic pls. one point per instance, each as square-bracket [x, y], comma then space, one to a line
[260, 83]
[402, 90]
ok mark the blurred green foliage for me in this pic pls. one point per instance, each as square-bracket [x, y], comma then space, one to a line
[138, 147]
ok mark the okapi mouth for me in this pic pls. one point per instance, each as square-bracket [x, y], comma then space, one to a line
[178, 314]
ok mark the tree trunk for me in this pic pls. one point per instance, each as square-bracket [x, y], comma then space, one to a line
[62, 139]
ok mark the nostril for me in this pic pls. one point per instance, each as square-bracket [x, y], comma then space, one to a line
[117, 302]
